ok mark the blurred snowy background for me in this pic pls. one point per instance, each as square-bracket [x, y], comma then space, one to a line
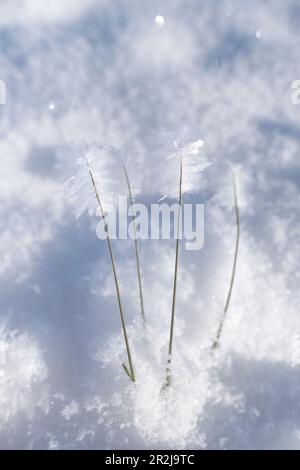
[105, 71]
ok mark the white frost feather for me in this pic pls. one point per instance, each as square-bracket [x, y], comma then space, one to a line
[168, 158]
[73, 161]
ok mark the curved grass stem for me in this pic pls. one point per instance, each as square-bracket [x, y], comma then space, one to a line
[130, 371]
[168, 369]
[137, 257]
[217, 339]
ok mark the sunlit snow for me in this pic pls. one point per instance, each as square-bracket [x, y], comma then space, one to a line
[113, 84]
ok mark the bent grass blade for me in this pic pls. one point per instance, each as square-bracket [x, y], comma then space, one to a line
[217, 339]
[129, 372]
[137, 258]
[168, 369]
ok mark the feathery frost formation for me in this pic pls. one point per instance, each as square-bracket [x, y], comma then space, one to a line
[186, 146]
[75, 159]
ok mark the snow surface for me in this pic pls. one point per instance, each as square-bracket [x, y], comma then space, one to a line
[104, 72]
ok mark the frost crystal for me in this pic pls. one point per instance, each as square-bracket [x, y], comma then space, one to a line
[75, 161]
[189, 149]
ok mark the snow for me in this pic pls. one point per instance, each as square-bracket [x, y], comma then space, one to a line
[160, 20]
[23, 375]
[109, 73]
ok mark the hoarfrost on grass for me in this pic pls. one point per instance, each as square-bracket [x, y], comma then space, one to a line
[183, 145]
[75, 159]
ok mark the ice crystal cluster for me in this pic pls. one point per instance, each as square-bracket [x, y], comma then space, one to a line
[183, 146]
[76, 159]
[23, 373]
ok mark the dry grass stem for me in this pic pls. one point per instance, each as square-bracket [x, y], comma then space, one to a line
[130, 371]
[168, 370]
[217, 339]
[137, 258]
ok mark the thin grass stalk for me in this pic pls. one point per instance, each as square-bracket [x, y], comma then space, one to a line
[217, 340]
[168, 369]
[137, 257]
[130, 371]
